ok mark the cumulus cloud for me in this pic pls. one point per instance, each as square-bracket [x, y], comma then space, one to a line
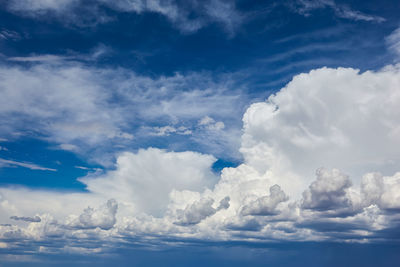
[266, 205]
[380, 190]
[149, 176]
[199, 210]
[332, 118]
[103, 217]
[328, 192]
[340, 119]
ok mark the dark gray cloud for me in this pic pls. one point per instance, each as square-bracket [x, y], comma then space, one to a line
[26, 219]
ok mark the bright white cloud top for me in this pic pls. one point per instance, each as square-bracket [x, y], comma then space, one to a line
[320, 163]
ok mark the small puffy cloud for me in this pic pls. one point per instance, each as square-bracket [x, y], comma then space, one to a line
[266, 205]
[26, 219]
[243, 224]
[69, 147]
[328, 192]
[196, 212]
[199, 210]
[167, 130]
[102, 217]
[210, 124]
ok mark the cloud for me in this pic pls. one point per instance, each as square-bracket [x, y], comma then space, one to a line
[167, 130]
[103, 217]
[69, 147]
[26, 219]
[381, 190]
[211, 124]
[393, 42]
[339, 119]
[324, 119]
[328, 192]
[187, 17]
[40, 58]
[72, 106]
[266, 205]
[32, 166]
[304, 7]
[10, 35]
[199, 210]
[156, 171]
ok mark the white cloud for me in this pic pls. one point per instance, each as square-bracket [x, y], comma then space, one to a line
[383, 191]
[69, 147]
[72, 105]
[393, 42]
[147, 178]
[211, 124]
[200, 210]
[40, 58]
[332, 118]
[167, 130]
[304, 7]
[77, 12]
[266, 205]
[29, 165]
[103, 217]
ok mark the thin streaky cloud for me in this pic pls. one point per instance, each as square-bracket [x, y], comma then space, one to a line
[29, 165]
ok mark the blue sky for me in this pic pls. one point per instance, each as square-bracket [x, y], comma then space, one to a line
[151, 129]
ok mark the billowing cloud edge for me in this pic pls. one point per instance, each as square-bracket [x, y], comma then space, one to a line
[319, 165]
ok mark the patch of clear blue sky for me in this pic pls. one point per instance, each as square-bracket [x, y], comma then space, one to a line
[271, 45]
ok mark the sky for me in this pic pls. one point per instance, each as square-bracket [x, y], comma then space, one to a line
[199, 133]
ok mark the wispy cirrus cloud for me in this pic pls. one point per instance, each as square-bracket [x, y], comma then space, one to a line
[29, 165]
[305, 7]
[393, 42]
[179, 13]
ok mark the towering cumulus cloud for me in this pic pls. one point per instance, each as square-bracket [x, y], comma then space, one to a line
[320, 163]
